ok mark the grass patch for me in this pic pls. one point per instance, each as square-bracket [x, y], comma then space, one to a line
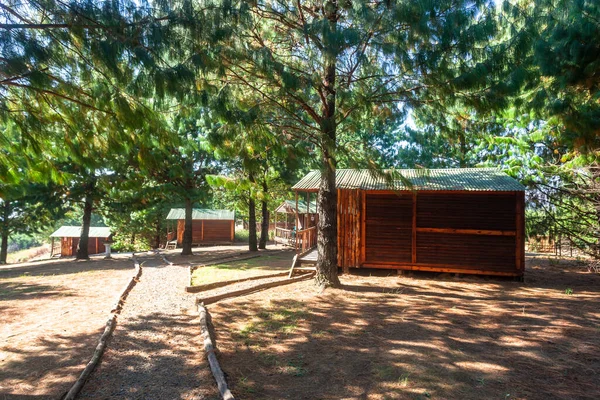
[280, 320]
[264, 265]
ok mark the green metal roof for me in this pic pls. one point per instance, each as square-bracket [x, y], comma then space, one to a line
[201, 213]
[75, 231]
[289, 207]
[459, 179]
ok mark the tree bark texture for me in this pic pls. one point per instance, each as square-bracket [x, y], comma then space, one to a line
[158, 232]
[327, 197]
[4, 231]
[264, 226]
[187, 232]
[84, 238]
[252, 242]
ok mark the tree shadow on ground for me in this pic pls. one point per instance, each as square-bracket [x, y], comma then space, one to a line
[28, 291]
[145, 361]
[414, 338]
[48, 371]
[65, 267]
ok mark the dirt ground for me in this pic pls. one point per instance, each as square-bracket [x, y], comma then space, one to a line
[51, 316]
[422, 337]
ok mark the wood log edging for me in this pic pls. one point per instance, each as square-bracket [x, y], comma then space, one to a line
[209, 350]
[262, 286]
[214, 285]
[108, 330]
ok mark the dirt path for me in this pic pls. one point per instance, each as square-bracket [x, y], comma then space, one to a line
[155, 352]
[51, 316]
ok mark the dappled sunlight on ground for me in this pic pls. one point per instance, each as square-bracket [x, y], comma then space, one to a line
[51, 316]
[427, 336]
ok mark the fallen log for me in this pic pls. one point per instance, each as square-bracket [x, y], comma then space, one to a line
[241, 292]
[214, 285]
[209, 349]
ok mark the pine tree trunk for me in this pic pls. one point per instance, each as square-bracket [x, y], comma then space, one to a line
[4, 232]
[187, 233]
[327, 197]
[264, 226]
[84, 238]
[252, 241]
[157, 237]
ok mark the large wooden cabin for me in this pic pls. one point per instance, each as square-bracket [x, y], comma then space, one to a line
[69, 239]
[208, 226]
[447, 220]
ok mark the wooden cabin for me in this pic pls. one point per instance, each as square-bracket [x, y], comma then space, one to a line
[208, 226]
[291, 217]
[467, 221]
[69, 239]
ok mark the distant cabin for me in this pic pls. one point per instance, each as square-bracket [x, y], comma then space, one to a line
[444, 220]
[69, 239]
[208, 226]
[290, 217]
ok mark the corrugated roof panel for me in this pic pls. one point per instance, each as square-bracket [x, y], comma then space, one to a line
[289, 206]
[460, 179]
[75, 231]
[201, 213]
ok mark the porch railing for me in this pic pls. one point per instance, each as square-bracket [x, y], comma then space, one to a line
[306, 239]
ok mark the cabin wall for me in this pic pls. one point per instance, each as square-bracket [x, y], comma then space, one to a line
[444, 231]
[208, 231]
[349, 211]
[68, 246]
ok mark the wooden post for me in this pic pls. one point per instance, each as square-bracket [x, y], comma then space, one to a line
[414, 229]
[339, 243]
[297, 222]
[233, 230]
[363, 228]
[202, 230]
[306, 221]
[520, 231]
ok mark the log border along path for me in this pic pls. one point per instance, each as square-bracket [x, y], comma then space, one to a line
[154, 351]
[108, 330]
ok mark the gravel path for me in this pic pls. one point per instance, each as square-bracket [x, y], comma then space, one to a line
[156, 351]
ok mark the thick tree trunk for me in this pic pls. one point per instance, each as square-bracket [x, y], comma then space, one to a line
[187, 233]
[327, 197]
[252, 242]
[4, 232]
[158, 230]
[264, 226]
[84, 238]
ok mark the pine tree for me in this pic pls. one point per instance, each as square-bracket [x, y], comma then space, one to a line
[319, 70]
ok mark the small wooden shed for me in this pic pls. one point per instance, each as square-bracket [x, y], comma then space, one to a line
[69, 239]
[444, 220]
[208, 226]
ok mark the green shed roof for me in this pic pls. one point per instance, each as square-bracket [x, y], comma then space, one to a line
[75, 231]
[289, 207]
[201, 213]
[458, 179]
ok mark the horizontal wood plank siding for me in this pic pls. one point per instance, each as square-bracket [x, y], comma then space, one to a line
[474, 251]
[389, 227]
[206, 231]
[454, 231]
[467, 211]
